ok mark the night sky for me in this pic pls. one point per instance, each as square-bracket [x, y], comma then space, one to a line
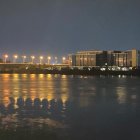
[60, 27]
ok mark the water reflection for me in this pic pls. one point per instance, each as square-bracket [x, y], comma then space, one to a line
[33, 86]
[83, 103]
[121, 93]
[20, 111]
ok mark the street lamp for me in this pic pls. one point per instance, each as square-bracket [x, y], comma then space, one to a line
[23, 58]
[49, 58]
[41, 58]
[55, 60]
[32, 58]
[15, 58]
[63, 59]
[5, 58]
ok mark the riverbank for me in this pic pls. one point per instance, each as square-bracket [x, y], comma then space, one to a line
[67, 71]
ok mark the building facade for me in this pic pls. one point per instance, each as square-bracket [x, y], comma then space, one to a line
[88, 58]
[129, 58]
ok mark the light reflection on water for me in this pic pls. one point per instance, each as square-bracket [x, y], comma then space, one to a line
[27, 112]
[32, 89]
[82, 102]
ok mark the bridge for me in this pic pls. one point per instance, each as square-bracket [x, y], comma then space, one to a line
[22, 66]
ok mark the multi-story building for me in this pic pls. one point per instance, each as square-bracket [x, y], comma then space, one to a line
[129, 58]
[88, 58]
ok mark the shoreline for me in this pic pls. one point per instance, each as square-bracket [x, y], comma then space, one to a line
[75, 72]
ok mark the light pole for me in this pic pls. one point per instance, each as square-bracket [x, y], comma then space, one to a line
[32, 58]
[49, 58]
[55, 60]
[40, 59]
[63, 60]
[23, 58]
[15, 58]
[5, 58]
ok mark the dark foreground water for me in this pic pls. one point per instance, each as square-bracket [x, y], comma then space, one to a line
[51, 107]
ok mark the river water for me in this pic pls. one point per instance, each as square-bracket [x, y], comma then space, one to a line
[74, 107]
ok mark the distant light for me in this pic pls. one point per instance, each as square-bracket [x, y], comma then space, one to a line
[15, 56]
[6, 56]
[89, 69]
[102, 69]
[119, 68]
[125, 69]
[113, 69]
[49, 57]
[41, 57]
[64, 58]
[33, 57]
[24, 56]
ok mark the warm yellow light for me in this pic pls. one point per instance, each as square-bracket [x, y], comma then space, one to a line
[33, 57]
[15, 56]
[41, 75]
[50, 97]
[49, 57]
[24, 75]
[24, 56]
[41, 57]
[6, 76]
[64, 58]
[6, 56]
[49, 76]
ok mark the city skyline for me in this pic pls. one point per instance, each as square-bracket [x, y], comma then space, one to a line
[70, 58]
[50, 27]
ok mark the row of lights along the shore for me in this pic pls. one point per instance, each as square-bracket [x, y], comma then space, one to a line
[32, 58]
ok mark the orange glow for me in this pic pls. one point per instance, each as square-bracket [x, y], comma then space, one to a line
[15, 56]
[64, 98]
[24, 75]
[49, 76]
[41, 75]
[50, 97]
[41, 57]
[6, 56]
[15, 76]
[5, 76]
[64, 58]
[32, 76]
[64, 76]
[49, 57]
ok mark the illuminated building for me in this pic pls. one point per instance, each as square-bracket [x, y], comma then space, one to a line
[88, 58]
[129, 58]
